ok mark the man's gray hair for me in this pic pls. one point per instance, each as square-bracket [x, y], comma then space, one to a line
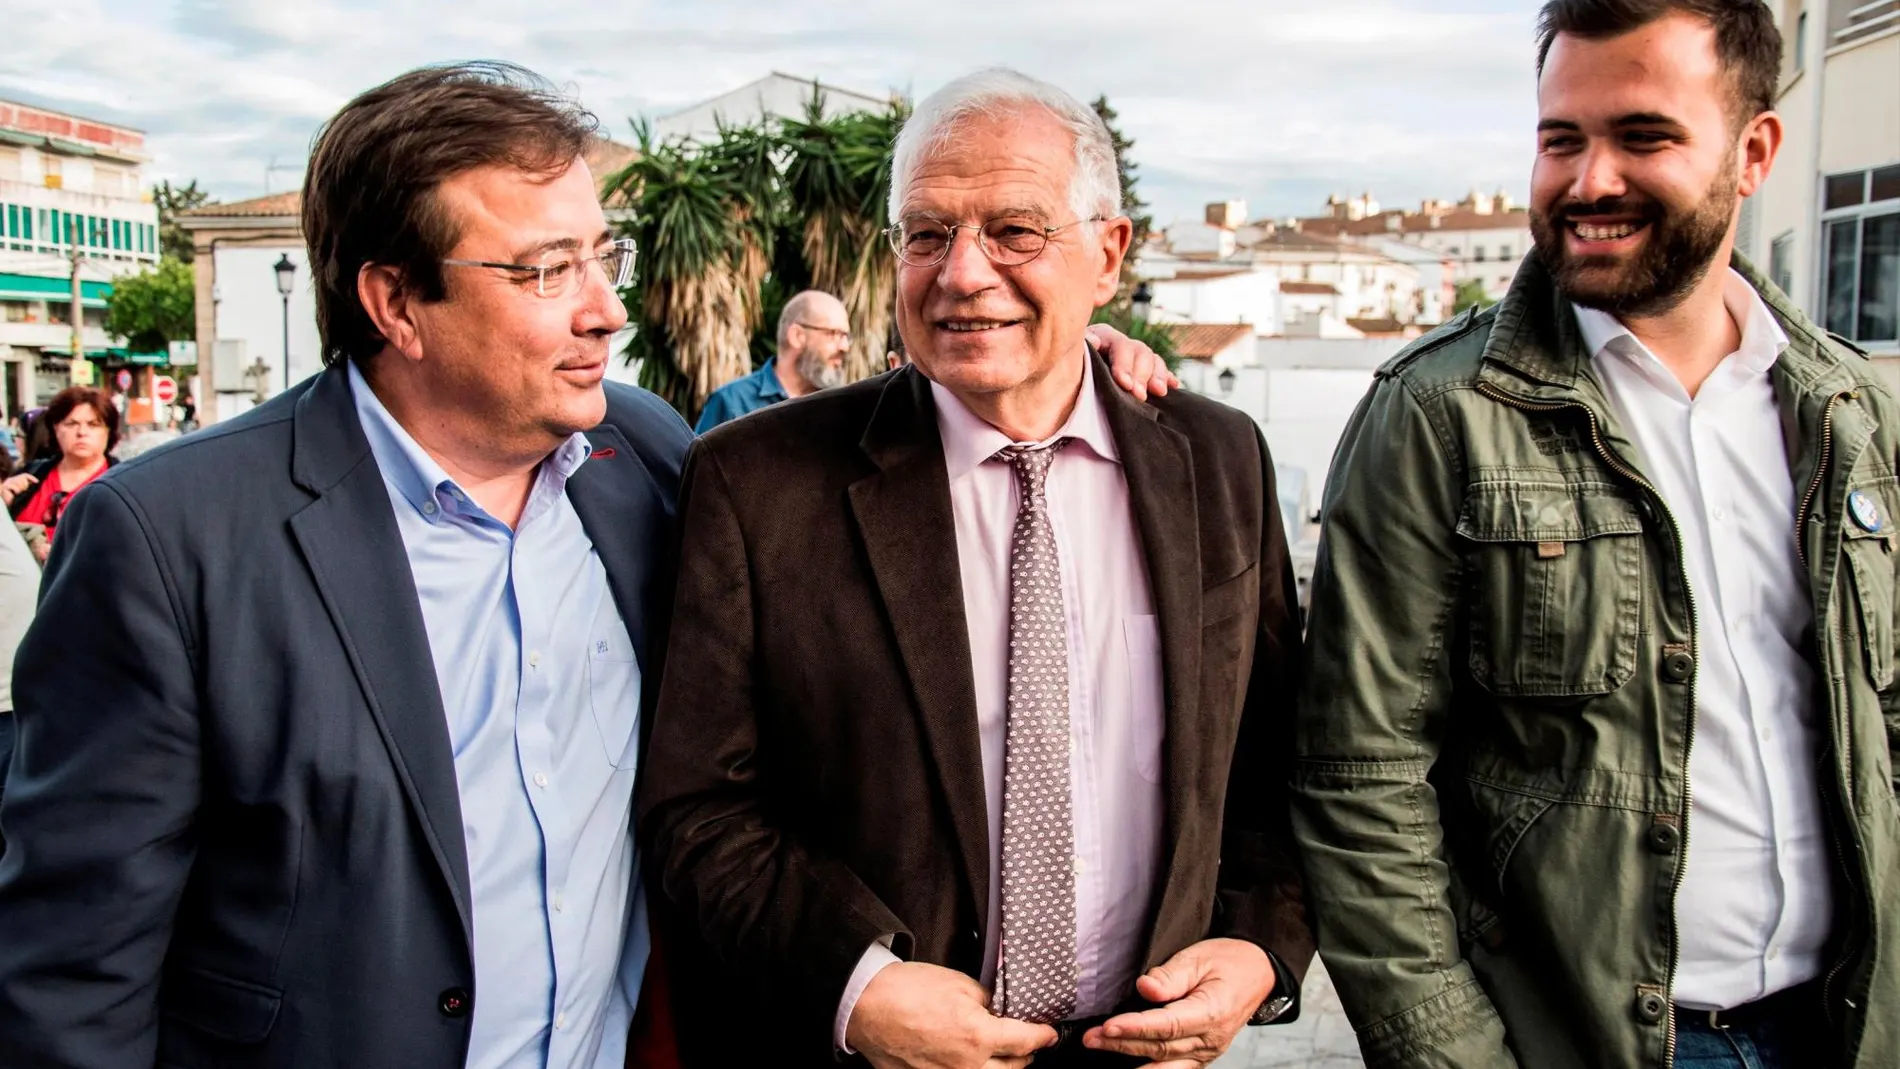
[1095, 188]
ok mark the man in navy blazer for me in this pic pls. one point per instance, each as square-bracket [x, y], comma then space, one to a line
[329, 719]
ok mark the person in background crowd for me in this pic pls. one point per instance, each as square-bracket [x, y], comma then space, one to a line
[19, 590]
[814, 334]
[1598, 733]
[85, 427]
[36, 436]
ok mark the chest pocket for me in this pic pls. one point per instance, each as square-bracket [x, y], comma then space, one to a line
[1869, 558]
[1556, 588]
[613, 684]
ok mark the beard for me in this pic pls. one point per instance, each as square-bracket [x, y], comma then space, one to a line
[818, 372]
[1676, 257]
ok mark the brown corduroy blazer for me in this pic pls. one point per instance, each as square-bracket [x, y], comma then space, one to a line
[814, 783]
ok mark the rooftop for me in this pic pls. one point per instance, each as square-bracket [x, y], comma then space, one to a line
[1204, 341]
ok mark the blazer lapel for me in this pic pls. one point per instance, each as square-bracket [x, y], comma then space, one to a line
[1159, 467]
[356, 556]
[903, 513]
[616, 498]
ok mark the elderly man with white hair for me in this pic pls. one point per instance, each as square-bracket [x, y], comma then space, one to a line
[972, 736]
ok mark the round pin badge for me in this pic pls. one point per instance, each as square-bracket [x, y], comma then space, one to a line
[1865, 512]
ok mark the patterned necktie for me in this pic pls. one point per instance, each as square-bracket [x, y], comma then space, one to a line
[1036, 973]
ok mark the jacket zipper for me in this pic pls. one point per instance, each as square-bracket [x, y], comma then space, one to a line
[1814, 484]
[1603, 450]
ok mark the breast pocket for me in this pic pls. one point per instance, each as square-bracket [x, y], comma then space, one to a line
[613, 685]
[1556, 589]
[1142, 639]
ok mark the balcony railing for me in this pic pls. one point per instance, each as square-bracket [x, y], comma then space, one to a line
[1867, 20]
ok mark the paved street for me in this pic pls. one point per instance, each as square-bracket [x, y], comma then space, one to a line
[1320, 1039]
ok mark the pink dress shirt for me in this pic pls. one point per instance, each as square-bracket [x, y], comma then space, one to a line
[1116, 718]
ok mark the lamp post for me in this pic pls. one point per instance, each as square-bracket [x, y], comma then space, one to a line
[286, 279]
[1142, 301]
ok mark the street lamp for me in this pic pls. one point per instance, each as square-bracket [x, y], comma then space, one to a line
[286, 279]
[1227, 377]
[1142, 301]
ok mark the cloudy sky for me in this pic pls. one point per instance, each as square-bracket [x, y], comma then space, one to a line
[1278, 102]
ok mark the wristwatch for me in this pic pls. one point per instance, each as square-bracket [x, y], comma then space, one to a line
[1282, 1004]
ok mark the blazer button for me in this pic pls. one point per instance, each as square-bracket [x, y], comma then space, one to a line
[1650, 1007]
[1677, 667]
[1663, 838]
[455, 1002]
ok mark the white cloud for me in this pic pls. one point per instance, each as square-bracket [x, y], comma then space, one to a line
[1277, 101]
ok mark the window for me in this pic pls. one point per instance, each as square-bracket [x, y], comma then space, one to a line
[1860, 258]
[1504, 253]
[1477, 253]
[1781, 262]
[1800, 45]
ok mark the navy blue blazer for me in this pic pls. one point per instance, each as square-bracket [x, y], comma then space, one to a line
[233, 834]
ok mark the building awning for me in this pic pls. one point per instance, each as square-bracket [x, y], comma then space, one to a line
[111, 354]
[43, 288]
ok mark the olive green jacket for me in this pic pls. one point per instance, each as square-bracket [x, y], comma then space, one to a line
[1499, 701]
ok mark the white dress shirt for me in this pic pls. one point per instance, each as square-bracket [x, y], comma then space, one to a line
[1755, 903]
[1116, 719]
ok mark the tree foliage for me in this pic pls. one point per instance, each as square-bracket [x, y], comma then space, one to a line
[1469, 293]
[731, 227]
[1133, 206]
[172, 201]
[154, 307]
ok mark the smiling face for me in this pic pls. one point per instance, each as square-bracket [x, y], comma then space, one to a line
[1640, 168]
[978, 328]
[522, 369]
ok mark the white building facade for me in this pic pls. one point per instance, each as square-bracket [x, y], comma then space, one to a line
[65, 182]
[1825, 227]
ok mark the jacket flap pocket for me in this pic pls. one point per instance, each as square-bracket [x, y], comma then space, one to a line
[220, 1006]
[1533, 512]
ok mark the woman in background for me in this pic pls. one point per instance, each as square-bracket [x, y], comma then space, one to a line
[85, 429]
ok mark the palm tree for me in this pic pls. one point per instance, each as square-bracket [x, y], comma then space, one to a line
[837, 184]
[704, 218]
[729, 229]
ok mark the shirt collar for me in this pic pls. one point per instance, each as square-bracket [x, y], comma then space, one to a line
[415, 475]
[770, 388]
[1762, 336]
[968, 441]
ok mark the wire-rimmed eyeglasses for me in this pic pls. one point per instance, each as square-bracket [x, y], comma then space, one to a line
[1008, 240]
[561, 275]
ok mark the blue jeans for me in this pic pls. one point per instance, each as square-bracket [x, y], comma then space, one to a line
[1781, 1042]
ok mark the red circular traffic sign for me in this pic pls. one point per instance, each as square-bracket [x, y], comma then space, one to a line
[164, 389]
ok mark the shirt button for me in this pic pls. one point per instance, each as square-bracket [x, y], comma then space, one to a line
[1774, 953]
[1078, 865]
[428, 508]
[454, 1002]
[560, 904]
[534, 659]
[540, 779]
[560, 1020]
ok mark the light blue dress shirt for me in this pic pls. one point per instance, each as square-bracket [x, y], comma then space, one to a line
[542, 694]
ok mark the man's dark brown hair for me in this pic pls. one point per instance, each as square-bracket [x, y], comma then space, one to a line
[369, 196]
[1746, 40]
